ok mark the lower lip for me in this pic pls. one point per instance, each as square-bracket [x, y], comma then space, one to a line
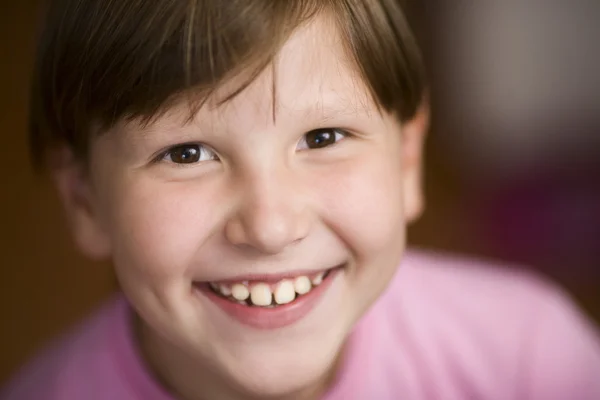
[272, 318]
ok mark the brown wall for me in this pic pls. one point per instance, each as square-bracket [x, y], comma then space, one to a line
[44, 284]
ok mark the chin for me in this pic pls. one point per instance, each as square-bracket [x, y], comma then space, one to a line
[278, 377]
[287, 367]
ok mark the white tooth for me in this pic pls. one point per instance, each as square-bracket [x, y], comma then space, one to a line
[240, 292]
[261, 294]
[285, 292]
[318, 279]
[302, 285]
[214, 286]
[225, 290]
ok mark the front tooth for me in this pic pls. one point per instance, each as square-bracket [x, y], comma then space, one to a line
[318, 279]
[225, 290]
[261, 294]
[240, 292]
[285, 292]
[302, 285]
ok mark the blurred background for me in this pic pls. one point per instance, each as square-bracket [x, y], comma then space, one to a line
[512, 167]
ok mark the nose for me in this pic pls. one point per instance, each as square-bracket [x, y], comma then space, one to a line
[270, 214]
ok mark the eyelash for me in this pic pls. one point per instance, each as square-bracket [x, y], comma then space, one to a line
[338, 135]
[336, 132]
[201, 148]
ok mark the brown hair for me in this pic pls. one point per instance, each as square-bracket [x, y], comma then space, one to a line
[103, 61]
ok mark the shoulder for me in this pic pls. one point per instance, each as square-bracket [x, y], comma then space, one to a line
[63, 367]
[493, 291]
[501, 297]
[481, 323]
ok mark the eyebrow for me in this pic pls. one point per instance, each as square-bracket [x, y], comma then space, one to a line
[326, 111]
[329, 107]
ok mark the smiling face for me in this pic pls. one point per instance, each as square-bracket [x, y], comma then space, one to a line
[260, 188]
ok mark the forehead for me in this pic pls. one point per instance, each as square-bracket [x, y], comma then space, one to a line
[312, 75]
[314, 66]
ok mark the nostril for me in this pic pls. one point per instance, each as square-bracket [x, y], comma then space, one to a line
[234, 232]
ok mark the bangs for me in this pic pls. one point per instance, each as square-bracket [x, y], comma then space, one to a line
[101, 62]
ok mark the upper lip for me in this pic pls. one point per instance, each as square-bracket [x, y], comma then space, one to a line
[271, 277]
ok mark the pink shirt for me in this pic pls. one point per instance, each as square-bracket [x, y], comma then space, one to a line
[448, 329]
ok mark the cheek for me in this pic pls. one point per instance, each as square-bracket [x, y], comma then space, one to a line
[363, 203]
[158, 228]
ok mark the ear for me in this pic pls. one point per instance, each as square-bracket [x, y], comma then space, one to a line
[414, 132]
[75, 192]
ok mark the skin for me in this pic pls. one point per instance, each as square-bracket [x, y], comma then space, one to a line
[268, 204]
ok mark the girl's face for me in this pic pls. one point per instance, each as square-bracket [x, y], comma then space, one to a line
[255, 199]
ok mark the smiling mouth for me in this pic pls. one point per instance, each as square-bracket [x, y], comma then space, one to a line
[269, 295]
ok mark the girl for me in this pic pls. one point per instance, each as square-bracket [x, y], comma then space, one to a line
[250, 166]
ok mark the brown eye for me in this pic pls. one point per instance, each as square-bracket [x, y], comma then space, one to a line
[189, 154]
[320, 138]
